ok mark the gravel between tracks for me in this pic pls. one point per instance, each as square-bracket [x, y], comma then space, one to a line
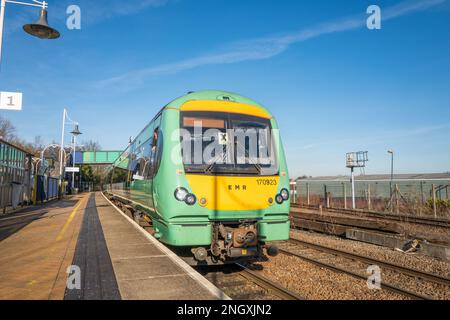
[313, 282]
[414, 261]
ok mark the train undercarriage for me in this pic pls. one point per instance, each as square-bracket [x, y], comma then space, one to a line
[232, 241]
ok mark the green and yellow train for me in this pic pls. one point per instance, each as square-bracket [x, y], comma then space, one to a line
[210, 172]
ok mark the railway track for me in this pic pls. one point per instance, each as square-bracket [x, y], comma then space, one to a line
[445, 223]
[422, 276]
[241, 283]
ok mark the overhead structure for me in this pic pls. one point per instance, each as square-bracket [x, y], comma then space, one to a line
[356, 160]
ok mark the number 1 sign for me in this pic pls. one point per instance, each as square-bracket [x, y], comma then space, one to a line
[11, 101]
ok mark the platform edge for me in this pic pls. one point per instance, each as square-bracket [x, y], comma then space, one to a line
[216, 292]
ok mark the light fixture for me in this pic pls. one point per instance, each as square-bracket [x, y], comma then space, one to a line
[76, 131]
[285, 194]
[279, 199]
[41, 29]
[181, 194]
[190, 199]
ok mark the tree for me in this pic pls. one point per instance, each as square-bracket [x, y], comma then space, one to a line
[87, 174]
[38, 144]
[7, 129]
[91, 145]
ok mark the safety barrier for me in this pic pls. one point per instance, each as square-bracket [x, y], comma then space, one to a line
[15, 176]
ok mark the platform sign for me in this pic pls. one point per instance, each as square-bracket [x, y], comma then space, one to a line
[72, 169]
[11, 101]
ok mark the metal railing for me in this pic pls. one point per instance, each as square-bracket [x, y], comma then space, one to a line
[15, 176]
[418, 197]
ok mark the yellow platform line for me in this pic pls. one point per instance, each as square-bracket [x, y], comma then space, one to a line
[66, 225]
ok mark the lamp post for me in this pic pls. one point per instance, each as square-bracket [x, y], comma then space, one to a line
[70, 121]
[75, 133]
[39, 29]
[391, 152]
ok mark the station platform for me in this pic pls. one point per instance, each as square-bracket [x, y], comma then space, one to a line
[43, 249]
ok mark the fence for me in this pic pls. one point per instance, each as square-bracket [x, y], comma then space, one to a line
[420, 197]
[46, 188]
[15, 176]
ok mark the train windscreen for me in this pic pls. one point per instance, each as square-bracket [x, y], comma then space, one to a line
[224, 143]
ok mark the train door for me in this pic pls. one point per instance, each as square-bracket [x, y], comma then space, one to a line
[154, 160]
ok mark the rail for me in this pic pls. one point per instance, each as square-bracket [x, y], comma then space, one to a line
[386, 216]
[392, 266]
[403, 270]
[267, 284]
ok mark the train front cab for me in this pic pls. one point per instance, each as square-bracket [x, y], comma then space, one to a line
[221, 210]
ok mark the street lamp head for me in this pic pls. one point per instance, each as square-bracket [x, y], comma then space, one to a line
[391, 151]
[41, 29]
[76, 131]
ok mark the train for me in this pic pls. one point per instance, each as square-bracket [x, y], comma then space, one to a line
[209, 172]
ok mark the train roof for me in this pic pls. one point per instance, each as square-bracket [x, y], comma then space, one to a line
[215, 95]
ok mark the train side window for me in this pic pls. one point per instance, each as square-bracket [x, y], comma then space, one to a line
[156, 152]
[147, 157]
[159, 150]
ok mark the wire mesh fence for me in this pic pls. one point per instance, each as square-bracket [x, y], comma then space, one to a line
[417, 197]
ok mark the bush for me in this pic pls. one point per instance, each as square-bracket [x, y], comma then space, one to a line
[441, 204]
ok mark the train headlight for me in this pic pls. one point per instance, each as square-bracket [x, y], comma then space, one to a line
[285, 194]
[203, 202]
[279, 199]
[181, 194]
[190, 199]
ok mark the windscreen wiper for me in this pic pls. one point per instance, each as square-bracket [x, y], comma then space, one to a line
[214, 162]
[257, 166]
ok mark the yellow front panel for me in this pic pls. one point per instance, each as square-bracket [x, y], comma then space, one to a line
[225, 106]
[234, 193]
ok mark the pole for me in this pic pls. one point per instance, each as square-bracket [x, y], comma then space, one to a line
[295, 192]
[2, 19]
[353, 189]
[433, 190]
[392, 170]
[73, 159]
[421, 193]
[61, 153]
[397, 198]
[345, 195]
[307, 194]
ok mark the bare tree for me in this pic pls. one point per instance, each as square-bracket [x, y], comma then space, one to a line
[7, 129]
[91, 145]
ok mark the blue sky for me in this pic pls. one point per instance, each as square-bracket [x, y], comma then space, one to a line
[333, 85]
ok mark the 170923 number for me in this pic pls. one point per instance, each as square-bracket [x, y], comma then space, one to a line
[267, 182]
